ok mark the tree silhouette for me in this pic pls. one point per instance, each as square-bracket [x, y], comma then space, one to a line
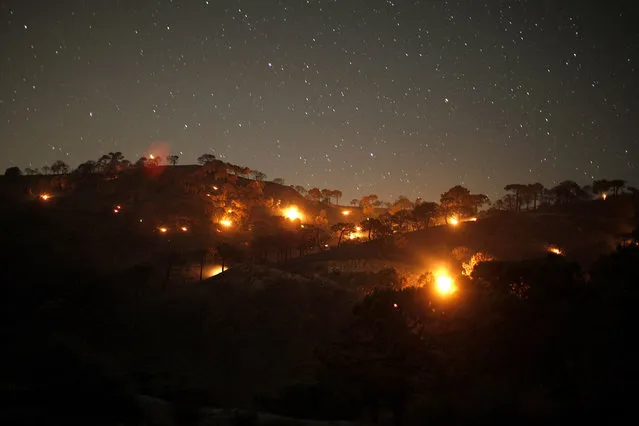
[455, 201]
[536, 190]
[326, 195]
[517, 190]
[315, 194]
[172, 159]
[424, 212]
[568, 191]
[13, 172]
[257, 175]
[59, 167]
[342, 228]
[46, 170]
[205, 159]
[617, 185]
[337, 194]
[278, 181]
[354, 202]
[110, 163]
[31, 171]
[300, 189]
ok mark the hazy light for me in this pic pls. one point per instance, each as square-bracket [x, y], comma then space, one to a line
[473, 219]
[152, 157]
[45, 197]
[444, 284]
[184, 229]
[346, 212]
[453, 221]
[163, 230]
[293, 213]
[116, 211]
[358, 228]
[604, 196]
[226, 223]
[215, 188]
[213, 271]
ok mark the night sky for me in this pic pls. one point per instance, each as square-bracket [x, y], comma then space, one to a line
[367, 96]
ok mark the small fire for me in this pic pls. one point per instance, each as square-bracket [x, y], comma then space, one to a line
[604, 196]
[293, 213]
[473, 219]
[152, 157]
[116, 211]
[226, 223]
[453, 221]
[358, 228]
[184, 229]
[444, 284]
[346, 212]
[45, 197]
[556, 251]
[163, 230]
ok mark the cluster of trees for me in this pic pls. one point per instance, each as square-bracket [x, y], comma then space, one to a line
[320, 195]
[533, 195]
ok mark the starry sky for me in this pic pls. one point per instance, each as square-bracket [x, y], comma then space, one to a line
[403, 97]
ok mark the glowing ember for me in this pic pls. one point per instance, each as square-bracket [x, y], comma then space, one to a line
[556, 251]
[394, 305]
[444, 284]
[184, 229]
[215, 188]
[45, 197]
[473, 219]
[453, 221]
[226, 223]
[152, 157]
[116, 211]
[163, 230]
[604, 196]
[293, 213]
[346, 212]
[358, 228]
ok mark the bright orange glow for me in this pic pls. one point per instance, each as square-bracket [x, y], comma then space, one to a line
[163, 230]
[444, 284]
[453, 221]
[152, 157]
[226, 223]
[604, 196]
[473, 219]
[213, 271]
[184, 229]
[45, 197]
[358, 228]
[116, 211]
[215, 188]
[346, 212]
[556, 251]
[293, 213]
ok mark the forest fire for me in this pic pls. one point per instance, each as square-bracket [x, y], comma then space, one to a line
[293, 213]
[453, 221]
